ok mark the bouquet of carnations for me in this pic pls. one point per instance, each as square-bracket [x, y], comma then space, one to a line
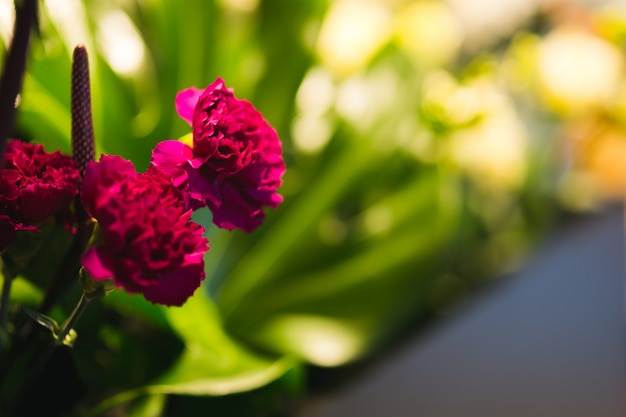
[125, 230]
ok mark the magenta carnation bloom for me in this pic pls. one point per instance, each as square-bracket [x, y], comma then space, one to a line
[34, 186]
[235, 165]
[149, 244]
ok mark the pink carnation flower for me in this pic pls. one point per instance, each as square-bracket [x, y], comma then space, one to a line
[149, 244]
[34, 186]
[235, 165]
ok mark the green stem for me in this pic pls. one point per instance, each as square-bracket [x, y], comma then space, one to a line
[115, 400]
[73, 318]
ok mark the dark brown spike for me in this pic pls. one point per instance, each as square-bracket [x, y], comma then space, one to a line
[83, 145]
[15, 67]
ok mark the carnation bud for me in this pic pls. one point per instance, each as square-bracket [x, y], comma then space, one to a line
[95, 288]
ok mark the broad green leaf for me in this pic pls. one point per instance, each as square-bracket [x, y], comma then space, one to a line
[212, 363]
[150, 406]
[343, 310]
[137, 306]
[24, 292]
[290, 227]
[321, 340]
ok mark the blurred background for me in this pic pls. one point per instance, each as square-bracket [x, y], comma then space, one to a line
[430, 145]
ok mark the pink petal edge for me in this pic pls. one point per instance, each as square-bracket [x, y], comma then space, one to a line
[171, 153]
[96, 262]
[186, 101]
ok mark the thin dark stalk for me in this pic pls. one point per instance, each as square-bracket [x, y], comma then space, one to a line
[10, 86]
[15, 67]
[4, 311]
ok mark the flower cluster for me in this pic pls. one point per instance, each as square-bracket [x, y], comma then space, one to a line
[234, 166]
[145, 240]
[34, 186]
[149, 243]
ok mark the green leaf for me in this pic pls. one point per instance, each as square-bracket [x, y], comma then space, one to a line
[24, 292]
[134, 305]
[43, 320]
[341, 311]
[151, 406]
[342, 171]
[49, 323]
[324, 341]
[212, 363]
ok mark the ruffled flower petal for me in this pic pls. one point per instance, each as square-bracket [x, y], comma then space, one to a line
[34, 186]
[186, 102]
[99, 263]
[147, 237]
[176, 286]
[235, 166]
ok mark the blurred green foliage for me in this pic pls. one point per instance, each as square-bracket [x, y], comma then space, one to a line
[419, 166]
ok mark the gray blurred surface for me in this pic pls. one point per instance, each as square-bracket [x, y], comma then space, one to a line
[549, 341]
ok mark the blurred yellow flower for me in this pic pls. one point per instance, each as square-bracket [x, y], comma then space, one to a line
[429, 32]
[352, 32]
[578, 70]
[493, 150]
